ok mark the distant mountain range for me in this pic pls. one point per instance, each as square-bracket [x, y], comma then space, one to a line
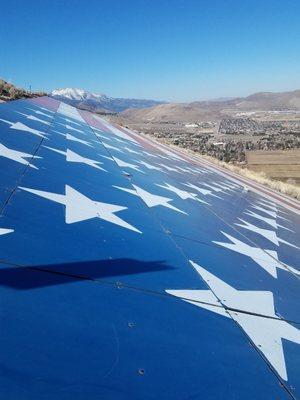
[216, 109]
[99, 102]
[156, 111]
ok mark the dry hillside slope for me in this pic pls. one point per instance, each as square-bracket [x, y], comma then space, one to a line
[215, 110]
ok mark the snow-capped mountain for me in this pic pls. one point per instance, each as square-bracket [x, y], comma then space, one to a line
[99, 102]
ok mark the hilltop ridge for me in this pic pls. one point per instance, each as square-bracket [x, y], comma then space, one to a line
[9, 91]
[199, 111]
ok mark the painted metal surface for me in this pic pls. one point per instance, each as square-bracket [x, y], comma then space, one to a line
[129, 271]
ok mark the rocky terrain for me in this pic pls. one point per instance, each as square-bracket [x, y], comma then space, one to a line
[8, 92]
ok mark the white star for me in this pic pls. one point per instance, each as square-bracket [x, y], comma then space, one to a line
[107, 158]
[131, 151]
[268, 202]
[60, 133]
[203, 171]
[96, 141]
[120, 140]
[168, 168]
[252, 310]
[33, 118]
[205, 192]
[181, 193]
[269, 221]
[150, 154]
[183, 169]
[266, 233]
[74, 139]
[214, 188]
[21, 127]
[56, 150]
[69, 127]
[4, 231]
[267, 259]
[192, 170]
[151, 200]
[110, 147]
[72, 122]
[197, 170]
[42, 113]
[38, 112]
[74, 157]
[46, 109]
[149, 166]
[231, 185]
[17, 156]
[223, 186]
[272, 214]
[71, 156]
[272, 207]
[81, 208]
[124, 164]
[101, 136]
[166, 158]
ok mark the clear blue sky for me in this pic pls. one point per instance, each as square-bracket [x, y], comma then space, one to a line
[174, 50]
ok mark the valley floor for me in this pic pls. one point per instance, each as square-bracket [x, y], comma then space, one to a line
[290, 189]
[288, 185]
